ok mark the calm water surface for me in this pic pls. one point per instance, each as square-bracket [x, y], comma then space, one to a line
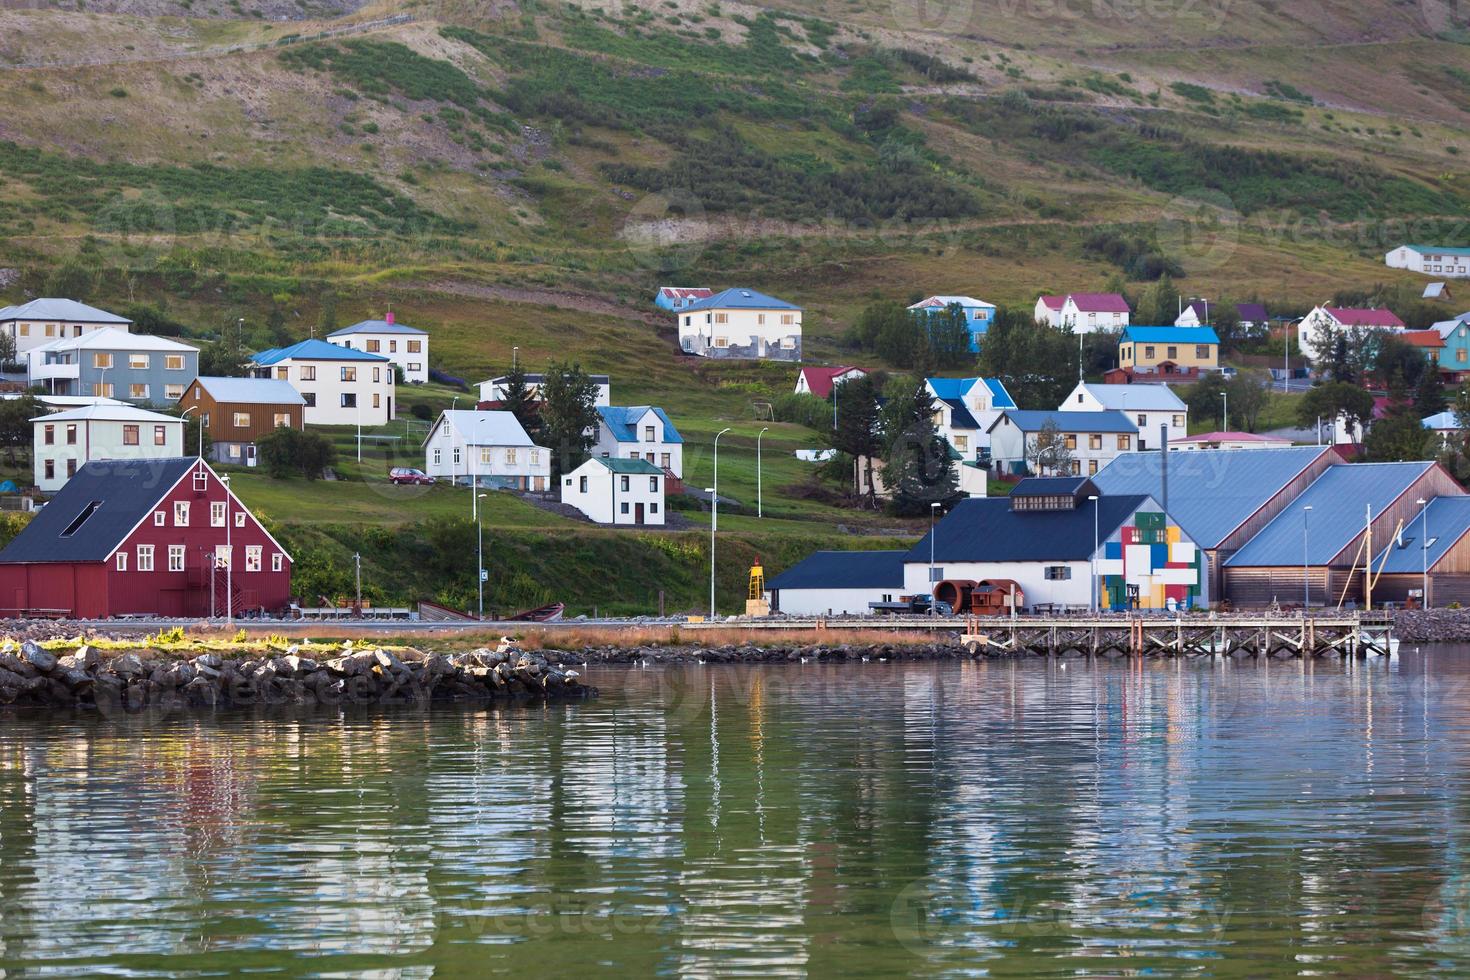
[1001, 819]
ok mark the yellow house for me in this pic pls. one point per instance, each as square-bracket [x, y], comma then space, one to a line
[1169, 350]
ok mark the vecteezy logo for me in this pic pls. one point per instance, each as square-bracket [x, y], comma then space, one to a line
[935, 16]
[1200, 228]
[665, 232]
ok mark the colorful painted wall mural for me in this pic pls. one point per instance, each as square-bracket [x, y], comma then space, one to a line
[1149, 565]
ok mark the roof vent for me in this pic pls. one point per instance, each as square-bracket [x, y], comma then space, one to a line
[745, 293]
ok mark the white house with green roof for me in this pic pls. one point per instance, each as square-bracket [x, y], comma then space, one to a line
[616, 491]
[1450, 261]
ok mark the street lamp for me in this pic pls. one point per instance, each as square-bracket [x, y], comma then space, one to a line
[515, 357]
[480, 558]
[1306, 581]
[1225, 412]
[185, 414]
[714, 518]
[1424, 550]
[758, 509]
[933, 509]
[229, 553]
[1286, 355]
[1095, 545]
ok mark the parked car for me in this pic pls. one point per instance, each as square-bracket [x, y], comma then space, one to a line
[407, 474]
[1228, 372]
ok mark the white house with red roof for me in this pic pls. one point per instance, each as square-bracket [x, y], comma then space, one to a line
[1335, 318]
[819, 381]
[677, 297]
[1084, 312]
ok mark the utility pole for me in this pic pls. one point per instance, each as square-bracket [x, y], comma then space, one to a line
[357, 579]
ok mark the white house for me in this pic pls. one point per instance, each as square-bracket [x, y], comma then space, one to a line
[1335, 318]
[1050, 537]
[964, 409]
[1084, 312]
[494, 389]
[1092, 439]
[64, 441]
[820, 381]
[340, 385]
[838, 583]
[1147, 406]
[639, 432]
[405, 346]
[41, 320]
[616, 491]
[488, 449]
[741, 323]
[1436, 260]
[1196, 313]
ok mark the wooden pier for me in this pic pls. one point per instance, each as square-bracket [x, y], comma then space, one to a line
[1156, 635]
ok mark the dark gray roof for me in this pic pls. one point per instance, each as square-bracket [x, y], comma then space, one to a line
[843, 570]
[986, 529]
[1050, 486]
[124, 492]
[959, 415]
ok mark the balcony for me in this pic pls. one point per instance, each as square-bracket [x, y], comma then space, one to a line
[55, 370]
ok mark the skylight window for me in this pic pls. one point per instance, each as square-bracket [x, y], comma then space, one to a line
[80, 519]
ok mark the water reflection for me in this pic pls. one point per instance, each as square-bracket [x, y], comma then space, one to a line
[1018, 817]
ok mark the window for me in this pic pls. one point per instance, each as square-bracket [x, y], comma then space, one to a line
[438, 457]
[308, 372]
[25, 329]
[51, 330]
[376, 396]
[278, 561]
[145, 557]
[101, 361]
[1179, 421]
[787, 319]
[760, 319]
[1124, 442]
[962, 443]
[176, 558]
[241, 420]
[393, 347]
[648, 433]
[1058, 573]
[349, 374]
[623, 484]
[1092, 467]
[282, 420]
[624, 507]
[1142, 420]
[415, 366]
[415, 346]
[284, 374]
[664, 460]
[1462, 355]
[722, 318]
[158, 518]
[252, 558]
[240, 517]
[49, 435]
[1094, 441]
[160, 435]
[653, 484]
[201, 481]
[377, 375]
[788, 343]
[138, 362]
[122, 561]
[204, 419]
[1173, 353]
[217, 513]
[173, 362]
[510, 457]
[103, 390]
[71, 468]
[582, 485]
[374, 346]
[71, 434]
[1076, 468]
[1071, 441]
[456, 455]
[349, 399]
[1202, 352]
[50, 467]
[309, 397]
[653, 508]
[130, 435]
[1148, 350]
[222, 556]
[173, 392]
[722, 342]
[535, 457]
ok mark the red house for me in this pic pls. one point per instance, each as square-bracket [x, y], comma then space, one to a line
[147, 536]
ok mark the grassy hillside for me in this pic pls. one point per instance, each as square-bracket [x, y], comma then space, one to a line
[524, 175]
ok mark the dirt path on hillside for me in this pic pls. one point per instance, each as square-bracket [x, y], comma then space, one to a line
[561, 299]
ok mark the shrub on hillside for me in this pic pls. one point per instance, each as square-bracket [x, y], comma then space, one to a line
[292, 452]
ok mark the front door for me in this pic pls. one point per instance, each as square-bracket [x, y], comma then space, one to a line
[637, 513]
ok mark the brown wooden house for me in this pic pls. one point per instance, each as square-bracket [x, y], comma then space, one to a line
[238, 412]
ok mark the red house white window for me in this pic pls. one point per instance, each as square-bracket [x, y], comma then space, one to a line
[252, 558]
[145, 557]
[176, 558]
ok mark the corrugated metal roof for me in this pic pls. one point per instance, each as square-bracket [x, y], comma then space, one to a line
[1138, 398]
[843, 570]
[632, 466]
[942, 302]
[1444, 421]
[621, 419]
[986, 529]
[1252, 312]
[123, 492]
[1000, 398]
[377, 326]
[251, 391]
[1445, 520]
[108, 413]
[1035, 421]
[959, 415]
[1358, 317]
[1338, 499]
[314, 350]
[483, 428]
[1211, 491]
[68, 310]
[739, 299]
[1439, 249]
[1170, 335]
[1099, 302]
[111, 338]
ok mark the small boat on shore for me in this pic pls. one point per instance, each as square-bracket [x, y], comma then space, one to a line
[550, 613]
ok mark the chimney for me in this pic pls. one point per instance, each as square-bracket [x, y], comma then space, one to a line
[389, 317]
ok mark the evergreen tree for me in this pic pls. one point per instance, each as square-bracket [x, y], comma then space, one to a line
[517, 399]
[1429, 396]
[1159, 303]
[857, 433]
[568, 415]
[918, 468]
[949, 336]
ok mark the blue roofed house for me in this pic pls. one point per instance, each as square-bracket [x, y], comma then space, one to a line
[640, 432]
[1168, 353]
[405, 346]
[1092, 441]
[673, 298]
[340, 385]
[1220, 497]
[837, 583]
[1434, 544]
[978, 314]
[1327, 542]
[741, 323]
[964, 409]
[1049, 537]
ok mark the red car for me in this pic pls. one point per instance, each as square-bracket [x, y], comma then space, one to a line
[407, 474]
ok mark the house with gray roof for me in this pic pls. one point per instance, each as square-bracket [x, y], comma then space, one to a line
[239, 412]
[407, 347]
[1152, 408]
[486, 449]
[41, 321]
[1092, 440]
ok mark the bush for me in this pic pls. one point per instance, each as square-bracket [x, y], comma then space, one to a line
[807, 410]
[291, 452]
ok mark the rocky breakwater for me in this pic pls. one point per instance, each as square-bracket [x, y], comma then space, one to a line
[1432, 625]
[130, 681]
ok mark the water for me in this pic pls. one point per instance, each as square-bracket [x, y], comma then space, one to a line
[944, 820]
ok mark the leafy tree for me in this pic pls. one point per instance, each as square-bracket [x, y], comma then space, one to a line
[1396, 361]
[223, 358]
[195, 440]
[1250, 392]
[327, 317]
[72, 279]
[1345, 355]
[15, 421]
[1226, 320]
[292, 452]
[901, 341]
[1429, 396]
[874, 319]
[1203, 397]
[569, 416]
[1455, 454]
[1159, 303]
[7, 351]
[517, 399]
[275, 326]
[1034, 361]
[1399, 435]
[948, 335]
[857, 433]
[1336, 400]
[1048, 454]
[150, 319]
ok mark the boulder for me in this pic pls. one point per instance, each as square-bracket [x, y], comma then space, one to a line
[42, 660]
